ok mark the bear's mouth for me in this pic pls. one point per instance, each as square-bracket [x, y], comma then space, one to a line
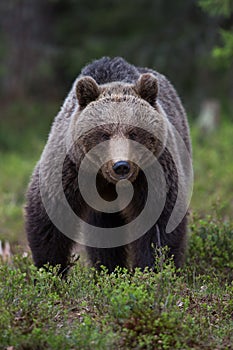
[114, 171]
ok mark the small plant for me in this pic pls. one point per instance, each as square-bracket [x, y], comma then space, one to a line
[211, 248]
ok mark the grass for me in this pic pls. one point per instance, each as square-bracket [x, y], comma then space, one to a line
[213, 169]
[23, 132]
[192, 309]
[188, 309]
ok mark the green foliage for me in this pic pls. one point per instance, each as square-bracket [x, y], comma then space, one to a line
[223, 55]
[23, 131]
[15, 173]
[24, 126]
[211, 243]
[217, 7]
[213, 168]
[121, 310]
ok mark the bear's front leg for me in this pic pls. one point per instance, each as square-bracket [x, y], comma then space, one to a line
[108, 257]
[50, 247]
[47, 243]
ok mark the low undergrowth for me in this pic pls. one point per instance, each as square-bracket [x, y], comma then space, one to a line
[187, 309]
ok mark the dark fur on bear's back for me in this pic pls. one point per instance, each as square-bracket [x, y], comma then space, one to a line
[108, 70]
[49, 245]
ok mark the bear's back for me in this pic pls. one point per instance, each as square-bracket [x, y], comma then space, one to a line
[107, 70]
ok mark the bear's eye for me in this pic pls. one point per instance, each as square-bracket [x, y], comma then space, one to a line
[151, 139]
[132, 135]
[105, 137]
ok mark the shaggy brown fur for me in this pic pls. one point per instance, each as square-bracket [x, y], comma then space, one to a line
[122, 97]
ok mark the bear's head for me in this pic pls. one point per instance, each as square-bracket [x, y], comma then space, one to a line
[119, 116]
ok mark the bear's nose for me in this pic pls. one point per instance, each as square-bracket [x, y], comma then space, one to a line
[121, 168]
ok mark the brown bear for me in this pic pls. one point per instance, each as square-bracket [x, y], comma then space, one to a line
[128, 126]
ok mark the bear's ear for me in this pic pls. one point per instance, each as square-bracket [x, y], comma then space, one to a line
[147, 88]
[87, 90]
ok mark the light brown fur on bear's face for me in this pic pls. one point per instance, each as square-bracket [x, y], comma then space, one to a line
[117, 114]
[120, 147]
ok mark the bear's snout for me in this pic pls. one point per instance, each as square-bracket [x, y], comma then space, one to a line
[121, 168]
[116, 170]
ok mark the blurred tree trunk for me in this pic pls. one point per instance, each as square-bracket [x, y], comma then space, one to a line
[23, 29]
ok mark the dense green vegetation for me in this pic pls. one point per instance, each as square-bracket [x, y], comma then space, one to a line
[189, 310]
[213, 169]
[20, 147]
